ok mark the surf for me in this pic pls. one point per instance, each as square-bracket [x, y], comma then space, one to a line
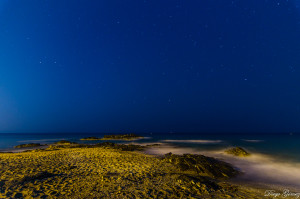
[258, 169]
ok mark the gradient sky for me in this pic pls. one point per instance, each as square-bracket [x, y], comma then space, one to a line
[149, 66]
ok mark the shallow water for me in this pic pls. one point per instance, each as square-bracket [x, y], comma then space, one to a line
[258, 169]
[283, 146]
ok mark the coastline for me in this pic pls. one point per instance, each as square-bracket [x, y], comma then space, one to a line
[259, 171]
[21, 150]
[108, 173]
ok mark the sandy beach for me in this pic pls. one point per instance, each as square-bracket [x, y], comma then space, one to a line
[64, 172]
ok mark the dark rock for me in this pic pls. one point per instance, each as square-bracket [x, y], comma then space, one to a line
[122, 147]
[202, 165]
[237, 151]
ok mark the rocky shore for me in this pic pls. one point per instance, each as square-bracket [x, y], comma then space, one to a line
[109, 170]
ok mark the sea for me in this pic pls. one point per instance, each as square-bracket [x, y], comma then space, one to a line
[274, 162]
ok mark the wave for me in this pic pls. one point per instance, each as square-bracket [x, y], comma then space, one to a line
[147, 138]
[42, 140]
[147, 143]
[167, 148]
[258, 169]
[255, 141]
[265, 169]
[194, 141]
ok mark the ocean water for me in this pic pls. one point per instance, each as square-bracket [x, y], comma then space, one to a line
[275, 159]
[284, 146]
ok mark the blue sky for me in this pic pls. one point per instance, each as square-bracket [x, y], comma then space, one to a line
[149, 66]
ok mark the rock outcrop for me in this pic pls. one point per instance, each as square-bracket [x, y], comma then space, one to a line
[237, 151]
[202, 165]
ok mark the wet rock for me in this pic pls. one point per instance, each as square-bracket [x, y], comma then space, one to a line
[90, 138]
[237, 151]
[202, 165]
[122, 147]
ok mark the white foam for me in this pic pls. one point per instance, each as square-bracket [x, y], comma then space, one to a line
[169, 148]
[42, 140]
[267, 169]
[257, 168]
[146, 143]
[194, 141]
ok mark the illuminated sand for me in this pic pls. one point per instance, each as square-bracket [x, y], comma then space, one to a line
[104, 173]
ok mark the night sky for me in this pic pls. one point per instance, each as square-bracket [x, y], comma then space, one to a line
[199, 66]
